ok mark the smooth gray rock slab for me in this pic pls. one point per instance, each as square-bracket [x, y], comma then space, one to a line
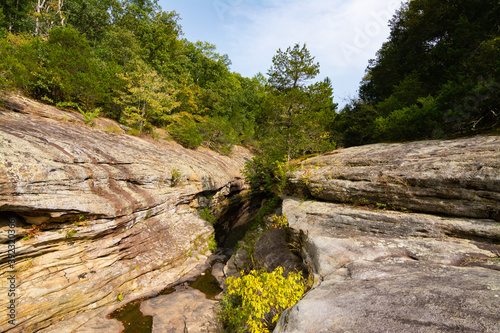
[400, 296]
[382, 271]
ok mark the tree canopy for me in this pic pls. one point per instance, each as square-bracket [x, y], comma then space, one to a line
[129, 60]
[437, 75]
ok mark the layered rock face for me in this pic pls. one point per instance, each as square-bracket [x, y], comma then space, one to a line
[99, 217]
[457, 177]
[401, 237]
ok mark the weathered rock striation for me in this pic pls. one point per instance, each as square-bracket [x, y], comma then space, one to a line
[431, 264]
[455, 177]
[98, 214]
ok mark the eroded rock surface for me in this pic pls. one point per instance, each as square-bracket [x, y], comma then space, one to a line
[392, 278]
[455, 177]
[108, 214]
[378, 270]
[183, 311]
[272, 250]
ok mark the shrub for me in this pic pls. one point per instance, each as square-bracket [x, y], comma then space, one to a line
[279, 222]
[184, 130]
[259, 173]
[176, 177]
[255, 301]
[89, 116]
[212, 244]
[207, 215]
[219, 134]
[70, 233]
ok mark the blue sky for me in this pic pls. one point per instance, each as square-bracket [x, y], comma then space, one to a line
[342, 35]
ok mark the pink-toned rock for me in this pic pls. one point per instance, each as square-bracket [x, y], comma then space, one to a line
[108, 214]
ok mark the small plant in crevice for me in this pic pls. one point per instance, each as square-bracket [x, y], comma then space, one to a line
[279, 222]
[281, 175]
[306, 176]
[212, 243]
[89, 116]
[120, 297]
[82, 221]
[70, 233]
[113, 129]
[207, 215]
[474, 259]
[271, 205]
[175, 177]
[35, 229]
[27, 265]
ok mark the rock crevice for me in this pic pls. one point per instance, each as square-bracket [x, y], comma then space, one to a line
[431, 264]
[98, 214]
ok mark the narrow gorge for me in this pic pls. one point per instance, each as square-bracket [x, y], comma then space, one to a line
[398, 237]
[100, 217]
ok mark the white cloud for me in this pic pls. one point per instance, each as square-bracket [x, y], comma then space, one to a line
[343, 35]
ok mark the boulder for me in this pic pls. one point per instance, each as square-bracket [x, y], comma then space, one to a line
[272, 250]
[390, 271]
[98, 214]
[401, 238]
[454, 177]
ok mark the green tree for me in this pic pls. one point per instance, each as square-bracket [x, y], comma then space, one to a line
[15, 15]
[300, 113]
[148, 99]
[292, 69]
[46, 15]
[90, 17]
[440, 65]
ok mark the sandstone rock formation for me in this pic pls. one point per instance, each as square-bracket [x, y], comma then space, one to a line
[182, 311]
[383, 270]
[455, 177]
[98, 214]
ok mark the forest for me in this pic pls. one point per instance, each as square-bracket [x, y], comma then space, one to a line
[437, 76]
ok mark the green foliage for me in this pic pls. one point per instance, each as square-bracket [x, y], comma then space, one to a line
[409, 123]
[147, 100]
[438, 75]
[281, 175]
[89, 116]
[212, 244]
[127, 60]
[296, 120]
[207, 215]
[271, 205]
[259, 173]
[279, 222]
[175, 178]
[120, 297]
[292, 68]
[218, 133]
[255, 301]
[299, 115]
[266, 175]
[70, 233]
[14, 14]
[90, 17]
[184, 129]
